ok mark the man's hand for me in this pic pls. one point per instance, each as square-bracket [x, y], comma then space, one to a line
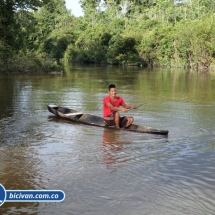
[125, 110]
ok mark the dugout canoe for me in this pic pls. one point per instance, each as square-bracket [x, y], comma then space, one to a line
[94, 120]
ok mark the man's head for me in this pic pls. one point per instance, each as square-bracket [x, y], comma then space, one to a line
[111, 86]
[112, 90]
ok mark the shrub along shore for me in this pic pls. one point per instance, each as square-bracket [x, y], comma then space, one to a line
[38, 36]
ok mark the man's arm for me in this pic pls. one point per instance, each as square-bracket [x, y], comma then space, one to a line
[129, 106]
[123, 109]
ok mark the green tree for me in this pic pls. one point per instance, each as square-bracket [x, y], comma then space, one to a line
[53, 32]
[122, 50]
[10, 27]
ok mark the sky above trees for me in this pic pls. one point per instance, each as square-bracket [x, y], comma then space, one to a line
[75, 7]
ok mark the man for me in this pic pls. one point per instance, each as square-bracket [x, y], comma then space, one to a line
[112, 104]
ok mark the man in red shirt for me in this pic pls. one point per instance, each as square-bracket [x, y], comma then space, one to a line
[111, 105]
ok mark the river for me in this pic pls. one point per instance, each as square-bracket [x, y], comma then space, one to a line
[104, 171]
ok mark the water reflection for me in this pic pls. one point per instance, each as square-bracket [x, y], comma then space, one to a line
[113, 148]
[111, 136]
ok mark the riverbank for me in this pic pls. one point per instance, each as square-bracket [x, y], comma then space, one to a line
[39, 65]
[30, 65]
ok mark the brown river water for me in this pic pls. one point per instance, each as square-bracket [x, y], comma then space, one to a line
[104, 171]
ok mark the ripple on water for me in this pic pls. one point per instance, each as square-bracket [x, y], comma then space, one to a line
[104, 170]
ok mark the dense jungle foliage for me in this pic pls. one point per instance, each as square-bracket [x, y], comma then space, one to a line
[40, 35]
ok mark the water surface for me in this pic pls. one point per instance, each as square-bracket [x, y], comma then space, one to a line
[104, 171]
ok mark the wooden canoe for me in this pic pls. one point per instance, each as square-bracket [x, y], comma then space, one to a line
[90, 119]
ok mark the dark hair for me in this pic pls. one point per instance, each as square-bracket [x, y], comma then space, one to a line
[111, 86]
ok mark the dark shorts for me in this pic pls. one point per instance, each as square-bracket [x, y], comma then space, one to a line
[110, 122]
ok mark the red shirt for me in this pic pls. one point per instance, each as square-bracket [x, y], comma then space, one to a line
[118, 102]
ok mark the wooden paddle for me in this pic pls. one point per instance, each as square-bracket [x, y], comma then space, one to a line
[139, 105]
[136, 107]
